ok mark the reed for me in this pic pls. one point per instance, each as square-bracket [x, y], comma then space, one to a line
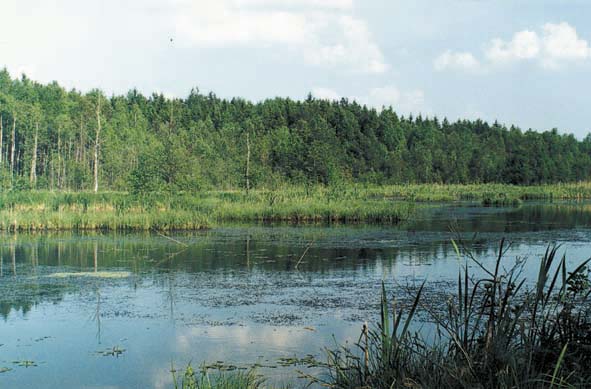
[202, 379]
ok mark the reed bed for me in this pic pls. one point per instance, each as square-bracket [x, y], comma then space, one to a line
[33, 211]
[480, 192]
[498, 331]
[350, 203]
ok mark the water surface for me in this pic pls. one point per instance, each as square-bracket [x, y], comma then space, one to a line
[112, 310]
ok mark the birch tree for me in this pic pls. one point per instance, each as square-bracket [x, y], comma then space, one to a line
[35, 117]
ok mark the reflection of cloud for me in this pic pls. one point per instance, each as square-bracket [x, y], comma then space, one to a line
[163, 378]
[269, 337]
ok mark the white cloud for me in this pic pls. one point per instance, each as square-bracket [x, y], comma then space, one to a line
[551, 47]
[456, 60]
[524, 45]
[321, 33]
[325, 94]
[561, 43]
[354, 48]
[327, 4]
[411, 101]
[218, 24]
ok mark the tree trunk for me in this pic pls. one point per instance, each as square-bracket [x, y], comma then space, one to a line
[1, 137]
[33, 176]
[13, 147]
[247, 162]
[59, 155]
[96, 143]
[51, 173]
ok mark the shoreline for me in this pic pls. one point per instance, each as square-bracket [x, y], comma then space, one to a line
[343, 204]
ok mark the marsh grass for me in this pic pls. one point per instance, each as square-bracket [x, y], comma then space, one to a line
[498, 331]
[346, 203]
[33, 211]
[481, 192]
[203, 379]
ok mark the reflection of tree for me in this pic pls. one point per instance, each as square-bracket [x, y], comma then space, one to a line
[170, 296]
[97, 313]
[527, 218]
[23, 297]
[267, 250]
[13, 256]
[95, 256]
[97, 291]
[248, 251]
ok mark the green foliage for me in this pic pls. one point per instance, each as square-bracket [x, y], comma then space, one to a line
[157, 144]
[148, 176]
[202, 379]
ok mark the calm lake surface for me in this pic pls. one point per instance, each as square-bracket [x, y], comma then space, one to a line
[114, 311]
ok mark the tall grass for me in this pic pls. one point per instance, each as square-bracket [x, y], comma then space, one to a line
[496, 332]
[480, 192]
[121, 211]
[346, 203]
[202, 379]
[189, 378]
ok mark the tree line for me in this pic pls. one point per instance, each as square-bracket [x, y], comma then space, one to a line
[52, 138]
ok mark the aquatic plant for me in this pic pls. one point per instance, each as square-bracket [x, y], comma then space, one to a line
[203, 379]
[496, 332]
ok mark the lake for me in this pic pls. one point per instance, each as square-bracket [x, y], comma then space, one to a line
[116, 310]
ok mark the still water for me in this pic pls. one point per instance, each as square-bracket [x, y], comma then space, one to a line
[115, 311]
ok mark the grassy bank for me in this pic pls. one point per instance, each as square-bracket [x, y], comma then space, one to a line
[484, 192]
[120, 211]
[36, 210]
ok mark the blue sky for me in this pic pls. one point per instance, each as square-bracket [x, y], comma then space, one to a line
[524, 62]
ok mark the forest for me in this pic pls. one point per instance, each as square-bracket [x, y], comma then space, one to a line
[55, 139]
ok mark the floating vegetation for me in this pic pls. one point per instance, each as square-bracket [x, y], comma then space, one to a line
[96, 274]
[114, 351]
[308, 361]
[25, 363]
[221, 366]
[42, 338]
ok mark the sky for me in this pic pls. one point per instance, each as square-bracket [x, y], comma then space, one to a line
[525, 62]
